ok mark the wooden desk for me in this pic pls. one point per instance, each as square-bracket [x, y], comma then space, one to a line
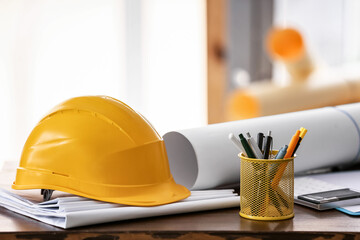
[213, 225]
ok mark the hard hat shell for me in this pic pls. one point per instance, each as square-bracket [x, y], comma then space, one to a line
[100, 148]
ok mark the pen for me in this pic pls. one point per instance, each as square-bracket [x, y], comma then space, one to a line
[282, 196]
[246, 146]
[268, 142]
[274, 167]
[250, 154]
[274, 199]
[260, 140]
[254, 147]
[259, 182]
[288, 154]
[281, 153]
[237, 143]
[292, 144]
[303, 131]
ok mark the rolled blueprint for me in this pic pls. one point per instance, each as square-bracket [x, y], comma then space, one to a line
[205, 158]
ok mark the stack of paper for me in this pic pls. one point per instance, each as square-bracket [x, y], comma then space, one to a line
[73, 211]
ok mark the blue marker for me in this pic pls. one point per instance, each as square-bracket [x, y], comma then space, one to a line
[282, 152]
[280, 155]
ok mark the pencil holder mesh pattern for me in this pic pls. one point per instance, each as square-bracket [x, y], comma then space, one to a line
[266, 188]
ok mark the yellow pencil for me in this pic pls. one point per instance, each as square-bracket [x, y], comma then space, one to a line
[303, 131]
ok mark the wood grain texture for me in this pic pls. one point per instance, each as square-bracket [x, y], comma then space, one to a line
[216, 59]
[217, 224]
[180, 236]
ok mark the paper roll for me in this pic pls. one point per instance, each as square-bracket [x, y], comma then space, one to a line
[267, 98]
[204, 158]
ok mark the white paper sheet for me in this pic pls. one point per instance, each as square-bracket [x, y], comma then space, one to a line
[72, 211]
[204, 158]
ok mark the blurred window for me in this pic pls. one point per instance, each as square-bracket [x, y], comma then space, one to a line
[331, 28]
[149, 54]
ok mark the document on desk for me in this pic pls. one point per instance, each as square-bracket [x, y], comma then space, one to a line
[70, 211]
[329, 182]
[350, 179]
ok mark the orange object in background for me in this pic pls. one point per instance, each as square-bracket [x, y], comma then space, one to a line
[307, 89]
[286, 43]
[288, 46]
[243, 105]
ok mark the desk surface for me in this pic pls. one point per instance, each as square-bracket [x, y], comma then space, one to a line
[214, 225]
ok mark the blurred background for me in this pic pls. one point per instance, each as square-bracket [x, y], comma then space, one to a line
[181, 63]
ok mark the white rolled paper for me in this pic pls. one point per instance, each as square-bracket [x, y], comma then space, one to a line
[205, 158]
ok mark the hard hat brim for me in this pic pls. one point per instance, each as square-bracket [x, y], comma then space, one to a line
[143, 195]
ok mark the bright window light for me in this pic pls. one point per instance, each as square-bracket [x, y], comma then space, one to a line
[51, 51]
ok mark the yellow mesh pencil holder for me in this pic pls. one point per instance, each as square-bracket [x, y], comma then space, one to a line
[266, 188]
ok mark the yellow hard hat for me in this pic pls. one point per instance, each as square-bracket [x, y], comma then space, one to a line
[100, 148]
